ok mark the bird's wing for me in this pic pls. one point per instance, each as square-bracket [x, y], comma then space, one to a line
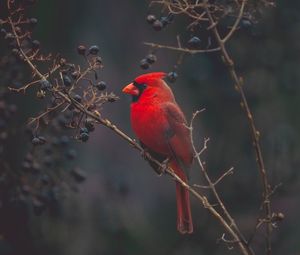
[178, 135]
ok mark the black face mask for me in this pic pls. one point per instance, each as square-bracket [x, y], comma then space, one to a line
[141, 88]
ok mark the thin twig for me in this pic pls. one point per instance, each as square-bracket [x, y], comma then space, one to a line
[186, 50]
[212, 186]
[254, 132]
[236, 23]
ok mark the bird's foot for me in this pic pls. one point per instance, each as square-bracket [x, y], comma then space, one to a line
[144, 153]
[164, 165]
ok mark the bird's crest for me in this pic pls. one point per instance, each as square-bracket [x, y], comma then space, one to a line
[145, 78]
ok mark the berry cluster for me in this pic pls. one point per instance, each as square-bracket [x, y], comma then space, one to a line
[73, 96]
[148, 61]
[198, 37]
[48, 168]
[159, 23]
[66, 85]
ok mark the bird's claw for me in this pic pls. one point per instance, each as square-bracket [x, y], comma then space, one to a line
[144, 154]
[164, 166]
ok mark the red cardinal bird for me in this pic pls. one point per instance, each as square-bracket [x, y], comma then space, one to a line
[160, 125]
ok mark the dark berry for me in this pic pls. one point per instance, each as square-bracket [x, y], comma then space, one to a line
[172, 76]
[3, 31]
[18, 30]
[170, 17]
[67, 81]
[77, 98]
[9, 36]
[15, 51]
[26, 166]
[151, 58]
[164, 21]
[144, 64]
[42, 140]
[194, 42]
[78, 174]
[62, 62]
[35, 141]
[150, 19]
[75, 75]
[33, 21]
[89, 125]
[93, 50]
[81, 49]
[45, 85]
[101, 85]
[35, 44]
[245, 23]
[98, 60]
[36, 167]
[157, 25]
[71, 68]
[84, 137]
[83, 130]
[71, 154]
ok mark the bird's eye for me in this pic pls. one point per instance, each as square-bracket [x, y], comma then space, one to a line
[139, 86]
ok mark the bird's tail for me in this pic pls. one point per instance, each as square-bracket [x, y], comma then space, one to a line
[184, 215]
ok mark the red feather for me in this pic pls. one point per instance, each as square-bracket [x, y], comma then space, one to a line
[145, 78]
[159, 123]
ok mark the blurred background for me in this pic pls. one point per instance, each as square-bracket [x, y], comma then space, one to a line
[123, 207]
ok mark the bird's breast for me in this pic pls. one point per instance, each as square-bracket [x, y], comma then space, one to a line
[150, 126]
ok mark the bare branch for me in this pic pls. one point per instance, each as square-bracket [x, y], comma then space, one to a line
[255, 134]
[228, 172]
[185, 50]
[213, 188]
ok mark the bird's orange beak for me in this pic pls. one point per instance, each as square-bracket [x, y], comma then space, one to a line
[131, 90]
